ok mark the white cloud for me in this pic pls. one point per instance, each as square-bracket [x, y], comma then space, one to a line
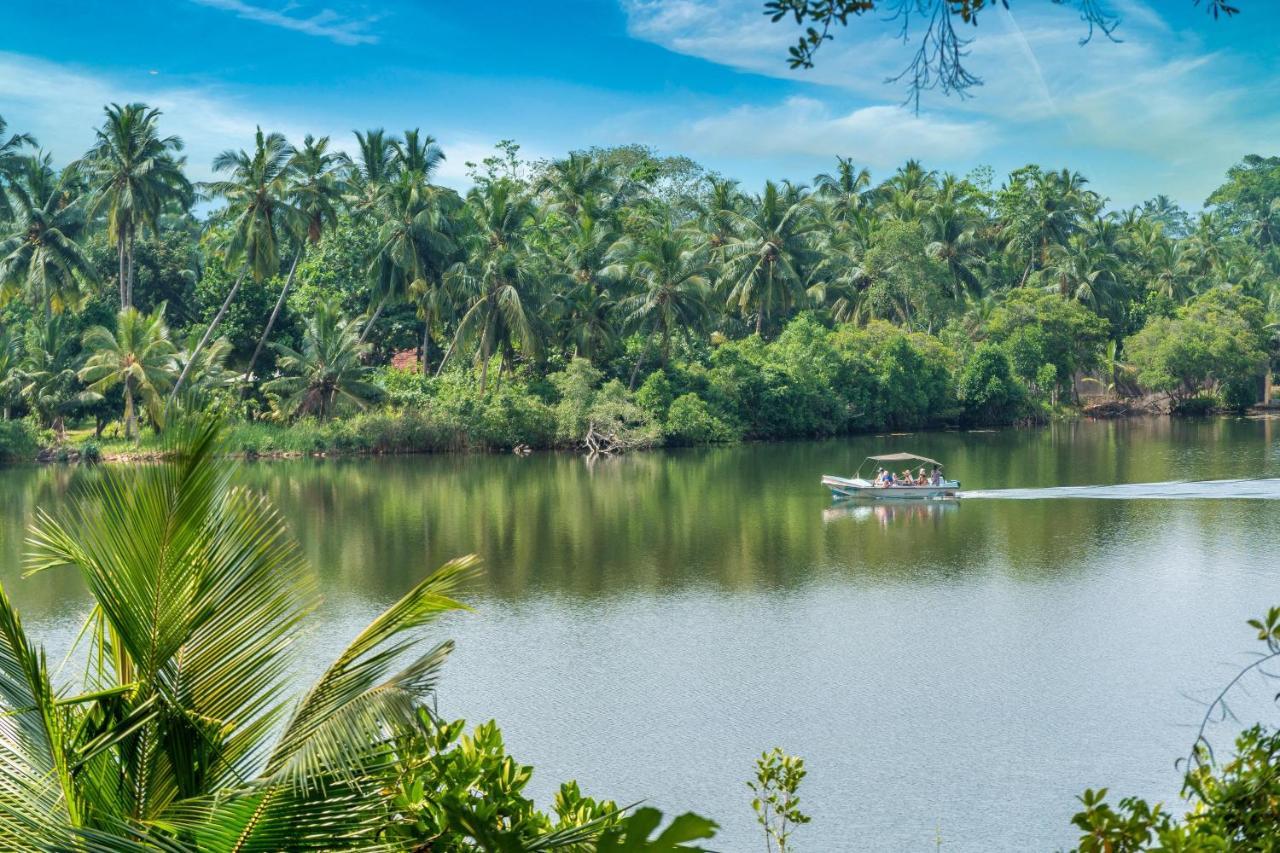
[325, 23]
[61, 105]
[878, 136]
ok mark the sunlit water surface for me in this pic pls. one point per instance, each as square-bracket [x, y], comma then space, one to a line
[649, 624]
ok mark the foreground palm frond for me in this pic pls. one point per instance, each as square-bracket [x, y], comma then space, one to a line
[182, 736]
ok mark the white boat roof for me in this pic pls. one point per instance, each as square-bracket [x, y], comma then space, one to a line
[904, 457]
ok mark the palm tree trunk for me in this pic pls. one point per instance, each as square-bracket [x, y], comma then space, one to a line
[124, 273]
[129, 289]
[271, 321]
[369, 325]
[130, 416]
[426, 348]
[208, 333]
[635, 371]
[759, 321]
[484, 369]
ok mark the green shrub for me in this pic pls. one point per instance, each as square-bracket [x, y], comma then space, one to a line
[689, 421]
[655, 394]
[987, 389]
[1195, 407]
[90, 452]
[18, 441]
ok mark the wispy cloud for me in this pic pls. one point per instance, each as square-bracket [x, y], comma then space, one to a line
[879, 136]
[60, 105]
[324, 23]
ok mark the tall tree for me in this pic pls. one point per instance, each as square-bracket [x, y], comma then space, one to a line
[133, 173]
[496, 280]
[259, 212]
[315, 189]
[672, 273]
[10, 161]
[327, 370]
[768, 253]
[40, 256]
[139, 356]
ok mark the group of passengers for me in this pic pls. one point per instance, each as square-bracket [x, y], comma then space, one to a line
[885, 478]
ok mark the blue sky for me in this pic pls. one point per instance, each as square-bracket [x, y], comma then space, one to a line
[1166, 109]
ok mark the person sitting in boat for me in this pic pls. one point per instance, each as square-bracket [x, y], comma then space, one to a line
[907, 479]
[884, 479]
[935, 479]
[921, 479]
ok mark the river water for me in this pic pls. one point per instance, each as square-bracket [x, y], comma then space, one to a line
[956, 671]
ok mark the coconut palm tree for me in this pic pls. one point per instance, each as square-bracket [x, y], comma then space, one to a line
[593, 268]
[10, 369]
[418, 153]
[672, 274]
[496, 280]
[315, 188]
[185, 733]
[951, 227]
[259, 211]
[328, 370]
[10, 160]
[578, 183]
[767, 256]
[375, 164]
[50, 385]
[839, 279]
[137, 355]
[414, 246]
[846, 190]
[133, 173]
[40, 255]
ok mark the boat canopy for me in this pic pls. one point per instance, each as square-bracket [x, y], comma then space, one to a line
[904, 457]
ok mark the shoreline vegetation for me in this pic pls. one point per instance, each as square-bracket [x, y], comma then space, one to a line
[331, 301]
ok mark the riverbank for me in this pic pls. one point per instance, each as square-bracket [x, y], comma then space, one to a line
[406, 433]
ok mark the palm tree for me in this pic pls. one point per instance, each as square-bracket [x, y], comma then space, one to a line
[375, 165]
[139, 356]
[10, 160]
[497, 279]
[716, 215]
[133, 173]
[767, 255]
[327, 371]
[846, 190]
[414, 244]
[50, 356]
[416, 153]
[257, 195]
[1057, 205]
[839, 279]
[578, 183]
[951, 227]
[315, 188]
[10, 369]
[39, 252]
[185, 733]
[591, 263]
[672, 273]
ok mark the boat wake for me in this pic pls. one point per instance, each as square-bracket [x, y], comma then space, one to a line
[1261, 489]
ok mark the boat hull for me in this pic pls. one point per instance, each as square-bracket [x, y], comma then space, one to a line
[856, 487]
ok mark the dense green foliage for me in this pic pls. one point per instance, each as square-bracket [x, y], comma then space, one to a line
[615, 298]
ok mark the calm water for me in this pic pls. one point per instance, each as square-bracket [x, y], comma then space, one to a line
[649, 624]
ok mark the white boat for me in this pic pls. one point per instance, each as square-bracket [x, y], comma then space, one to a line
[857, 487]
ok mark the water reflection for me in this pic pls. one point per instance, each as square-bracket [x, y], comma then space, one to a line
[886, 513]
